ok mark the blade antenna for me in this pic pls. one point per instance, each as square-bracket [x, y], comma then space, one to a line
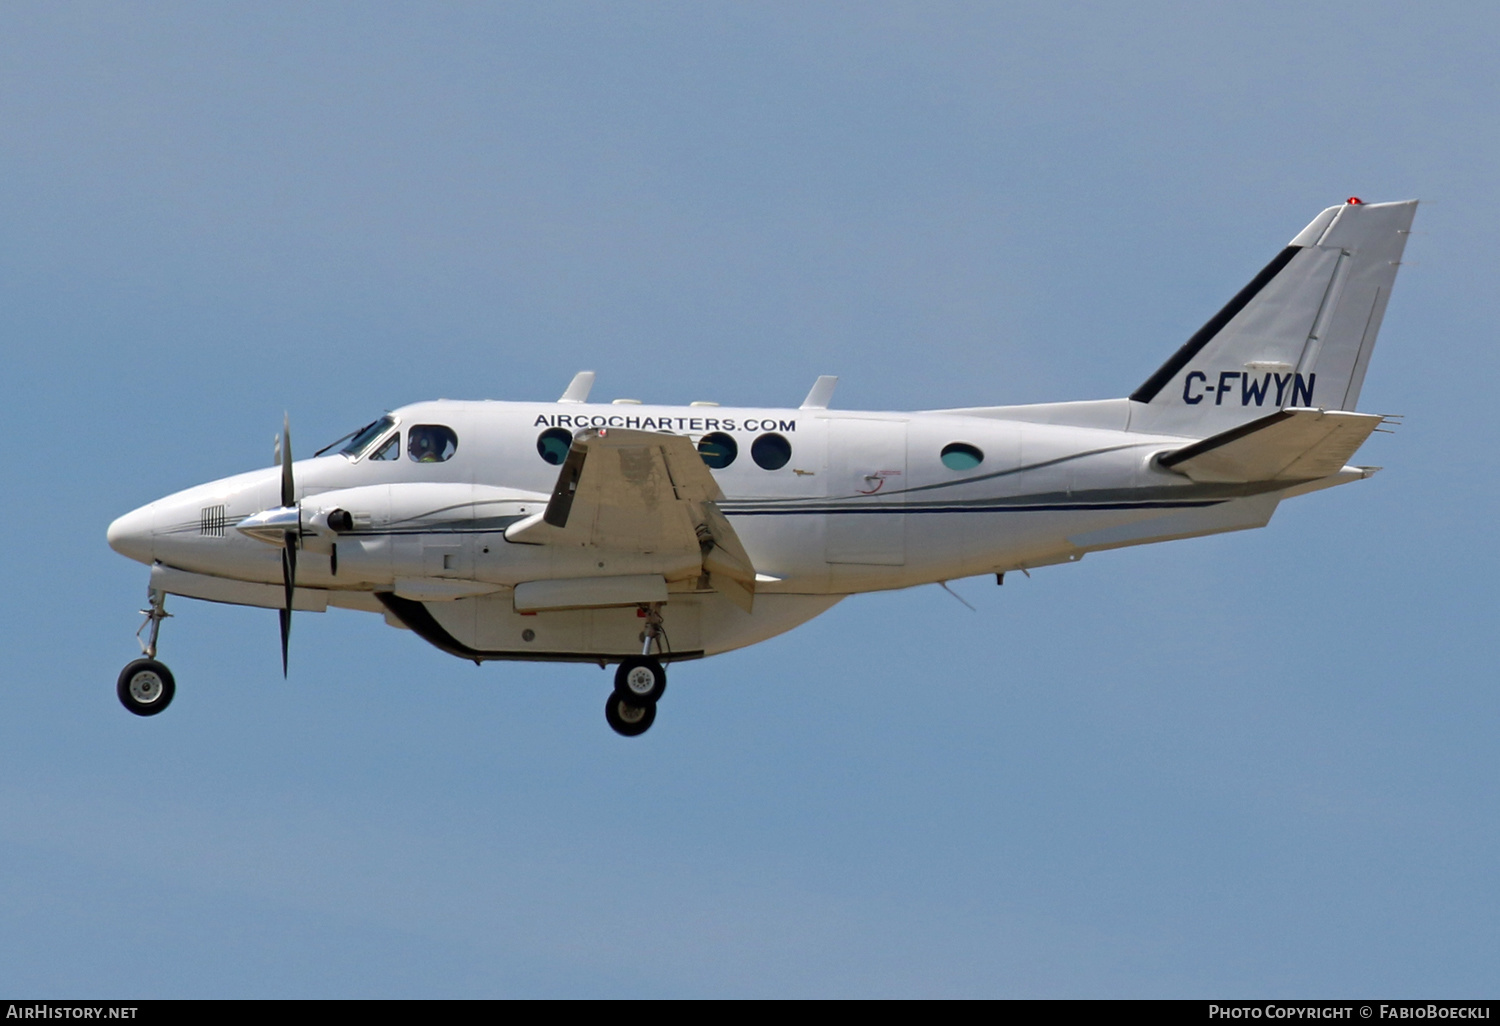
[950, 591]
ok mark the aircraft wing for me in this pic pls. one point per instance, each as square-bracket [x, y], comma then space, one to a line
[623, 490]
[1291, 445]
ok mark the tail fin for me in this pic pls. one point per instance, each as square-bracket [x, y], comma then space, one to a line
[1299, 335]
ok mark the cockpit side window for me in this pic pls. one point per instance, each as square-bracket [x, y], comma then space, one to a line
[431, 443]
[391, 450]
[366, 437]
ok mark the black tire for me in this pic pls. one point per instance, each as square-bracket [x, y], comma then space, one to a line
[627, 718]
[640, 680]
[146, 687]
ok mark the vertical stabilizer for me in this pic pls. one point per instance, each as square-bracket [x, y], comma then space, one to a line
[1299, 335]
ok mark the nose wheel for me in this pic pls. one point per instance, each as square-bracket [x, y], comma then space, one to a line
[146, 687]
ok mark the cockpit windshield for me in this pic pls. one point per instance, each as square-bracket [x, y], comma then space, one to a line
[367, 436]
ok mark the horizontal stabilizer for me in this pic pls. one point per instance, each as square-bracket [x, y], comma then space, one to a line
[1292, 445]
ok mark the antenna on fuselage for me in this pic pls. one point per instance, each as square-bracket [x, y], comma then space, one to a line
[950, 591]
[578, 389]
[821, 393]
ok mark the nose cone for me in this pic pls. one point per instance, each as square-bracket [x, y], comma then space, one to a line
[133, 534]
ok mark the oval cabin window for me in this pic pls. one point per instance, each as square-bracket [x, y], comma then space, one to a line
[961, 456]
[553, 444]
[718, 450]
[771, 452]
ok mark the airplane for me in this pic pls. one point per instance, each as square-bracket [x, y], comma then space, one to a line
[641, 535]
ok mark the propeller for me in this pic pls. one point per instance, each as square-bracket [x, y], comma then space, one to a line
[291, 538]
[288, 529]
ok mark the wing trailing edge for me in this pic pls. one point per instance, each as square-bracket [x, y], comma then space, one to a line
[644, 493]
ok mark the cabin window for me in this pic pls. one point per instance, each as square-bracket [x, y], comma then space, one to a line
[718, 450]
[553, 445]
[771, 452]
[431, 443]
[961, 456]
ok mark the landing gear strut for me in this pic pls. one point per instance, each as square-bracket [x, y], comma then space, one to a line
[145, 686]
[640, 681]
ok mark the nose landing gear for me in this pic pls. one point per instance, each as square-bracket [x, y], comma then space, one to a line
[145, 687]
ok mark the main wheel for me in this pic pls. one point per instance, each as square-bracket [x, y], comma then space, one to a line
[146, 687]
[627, 718]
[640, 680]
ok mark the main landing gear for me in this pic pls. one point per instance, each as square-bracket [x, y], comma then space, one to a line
[146, 686]
[628, 718]
[631, 708]
[639, 682]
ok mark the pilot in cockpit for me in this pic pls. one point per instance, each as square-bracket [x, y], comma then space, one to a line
[430, 443]
[423, 447]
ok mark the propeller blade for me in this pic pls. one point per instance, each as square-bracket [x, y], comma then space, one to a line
[288, 493]
[263, 526]
[289, 582]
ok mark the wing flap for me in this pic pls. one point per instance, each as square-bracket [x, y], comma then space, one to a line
[1291, 445]
[646, 492]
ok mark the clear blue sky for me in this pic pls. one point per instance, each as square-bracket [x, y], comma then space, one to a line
[1258, 764]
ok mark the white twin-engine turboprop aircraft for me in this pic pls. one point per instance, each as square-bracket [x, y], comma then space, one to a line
[641, 535]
